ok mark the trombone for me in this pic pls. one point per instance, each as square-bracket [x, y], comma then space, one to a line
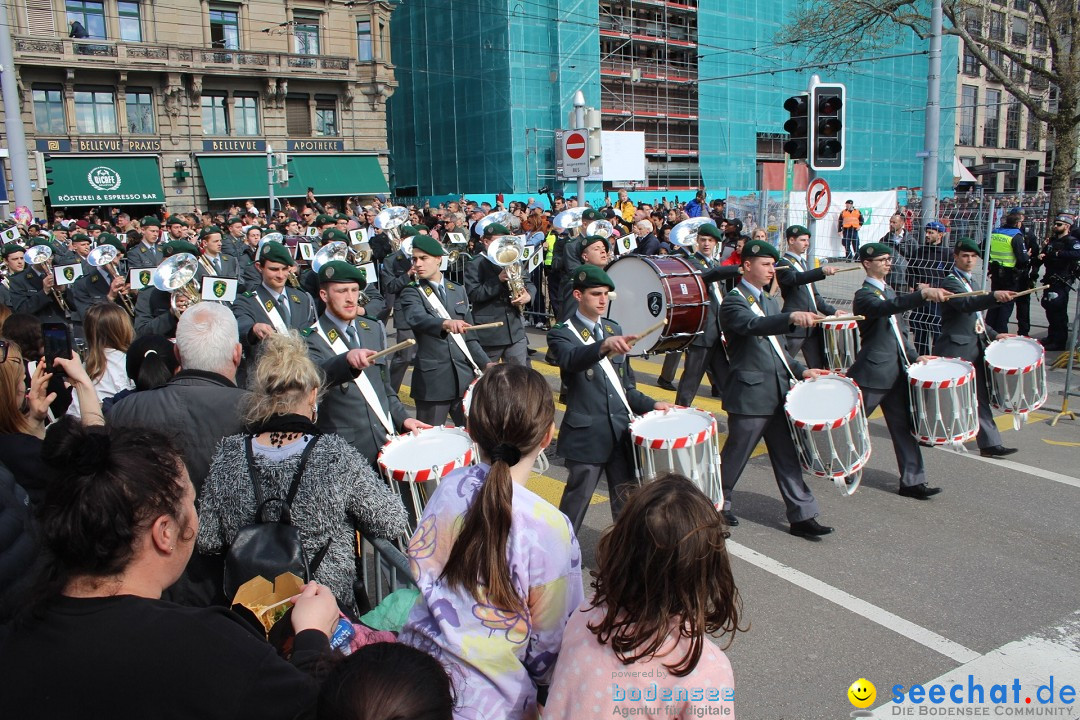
[40, 256]
[176, 276]
[105, 256]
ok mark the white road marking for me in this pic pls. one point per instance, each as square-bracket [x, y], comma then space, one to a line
[873, 613]
[1019, 467]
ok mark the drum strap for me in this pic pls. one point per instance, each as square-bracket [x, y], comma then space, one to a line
[980, 320]
[607, 367]
[756, 307]
[432, 299]
[270, 308]
[796, 261]
[362, 381]
[899, 338]
[719, 301]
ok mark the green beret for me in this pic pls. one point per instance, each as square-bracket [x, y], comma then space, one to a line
[323, 219]
[175, 247]
[150, 221]
[59, 227]
[110, 239]
[340, 216]
[79, 237]
[409, 231]
[95, 227]
[590, 239]
[588, 216]
[233, 221]
[759, 248]
[795, 231]
[11, 248]
[273, 251]
[429, 245]
[869, 251]
[495, 229]
[210, 230]
[339, 271]
[176, 220]
[966, 245]
[710, 230]
[588, 275]
[334, 235]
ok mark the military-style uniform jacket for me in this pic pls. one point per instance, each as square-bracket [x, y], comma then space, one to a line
[717, 273]
[798, 293]
[758, 381]
[596, 421]
[229, 268]
[153, 313]
[435, 379]
[28, 296]
[252, 307]
[232, 245]
[393, 278]
[247, 273]
[343, 409]
[490, 298]
[959, 318]
[879, 362]
[141, 256]
[90, 289]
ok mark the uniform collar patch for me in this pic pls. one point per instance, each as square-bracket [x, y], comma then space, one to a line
[333, 335]
[269, 304]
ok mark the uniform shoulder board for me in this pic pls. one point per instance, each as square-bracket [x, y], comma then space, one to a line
[733, 291]
[95, 278]
[413, 284]
[558, 326]
[249, 293]
[306, 331]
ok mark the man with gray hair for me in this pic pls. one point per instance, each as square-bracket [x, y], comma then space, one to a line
[647, 242]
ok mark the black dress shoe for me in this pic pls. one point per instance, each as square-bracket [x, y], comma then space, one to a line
[729, 518]
[666, 384]
[809, 528]
[922, 491]
[996, 451]
[530, 351]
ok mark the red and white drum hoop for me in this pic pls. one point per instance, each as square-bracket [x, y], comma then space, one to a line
[419, 460]
[943, 402]
[828, 425]
[841, 340]
[680, 440]
[1016, 376]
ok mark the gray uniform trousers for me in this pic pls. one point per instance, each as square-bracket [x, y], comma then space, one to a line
[895, 403]
[514, 354]
[699, 360]
[989, 435]
[812, 346]
[583, 478]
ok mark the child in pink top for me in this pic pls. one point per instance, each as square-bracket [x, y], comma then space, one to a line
[662, 585]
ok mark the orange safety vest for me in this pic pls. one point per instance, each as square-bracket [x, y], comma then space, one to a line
[850, 218]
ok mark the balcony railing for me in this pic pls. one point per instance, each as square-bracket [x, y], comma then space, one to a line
[62, 51]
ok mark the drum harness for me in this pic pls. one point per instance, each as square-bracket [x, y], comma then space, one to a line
[756, 308]
[433, 301]
[361, 380]
[586, 338]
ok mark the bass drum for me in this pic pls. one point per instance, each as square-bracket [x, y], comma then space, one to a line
[649, 288]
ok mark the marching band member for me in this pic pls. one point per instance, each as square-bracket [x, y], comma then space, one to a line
[14, 262]
[213, 261]
[881, 363]
[177, 229]
[359, 403]
[147, 254]
[57, 240]
[247, 268]
[34, 291]
[97, 284]
[80, 247]
[396, 273]
[754, 391]
[272, 307]
[601, 397]
[965, 335]
[154, 314]
[489, 292]
[447, 360]
[235, 241]
[706, 352]
[797, 287]
[590, 250]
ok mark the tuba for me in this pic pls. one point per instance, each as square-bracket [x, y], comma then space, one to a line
[335, 250]
[685, 233]
[600, 228]
[506, 252]
[106, 256]
[389, 220]
[569, 219]
[40, 256]
[176, 276]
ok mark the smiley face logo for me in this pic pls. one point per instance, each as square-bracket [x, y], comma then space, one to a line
[862, 693]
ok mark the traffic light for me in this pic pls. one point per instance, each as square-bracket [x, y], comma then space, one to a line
[827, 127]
[49, 179]
[281, 177]
[797, 127]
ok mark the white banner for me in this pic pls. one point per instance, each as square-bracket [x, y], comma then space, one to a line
[876, 209]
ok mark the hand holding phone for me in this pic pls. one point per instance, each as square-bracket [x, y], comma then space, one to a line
[57, 338]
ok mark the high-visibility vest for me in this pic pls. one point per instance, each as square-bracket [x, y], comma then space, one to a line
[549, 249]
[1001, 249]
[850, 218]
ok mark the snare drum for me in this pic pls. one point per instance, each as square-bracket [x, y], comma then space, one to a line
[414, 463]
[944, 410]
[466, 401]
[828, 425]
[652, 287]
[1016, 374]
[680, 440]
[841, 339]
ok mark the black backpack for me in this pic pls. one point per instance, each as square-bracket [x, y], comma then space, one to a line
[269, 547]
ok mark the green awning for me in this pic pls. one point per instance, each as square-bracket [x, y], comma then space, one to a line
[234, 177]
[104, 181]
[333, 175]
[243, 177]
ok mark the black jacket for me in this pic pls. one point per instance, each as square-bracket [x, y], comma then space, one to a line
[18, 545]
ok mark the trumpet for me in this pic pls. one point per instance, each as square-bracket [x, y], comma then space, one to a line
[389, 220]
[176, 276]
[506, 252]
[336, 250]
[106, 256]
[40, 256]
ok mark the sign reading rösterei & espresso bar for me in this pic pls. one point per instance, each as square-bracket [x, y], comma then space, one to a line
[101, 181]
[84, 145]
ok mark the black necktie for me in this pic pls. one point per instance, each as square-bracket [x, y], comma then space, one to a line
[283, 305]
[354, 343]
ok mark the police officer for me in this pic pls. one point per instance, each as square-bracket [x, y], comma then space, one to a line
[147, 254]
[488, 288]
[272, 307]
[754, 392]
[964, 334]
[880, 366]
[359, 403]
[1008, 267]
[800, 294]
[447, 359]
[590, 351]
[1061, 258]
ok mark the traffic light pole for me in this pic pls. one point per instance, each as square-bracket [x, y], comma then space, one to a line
[18, 156]
[933, 120]
[270, 178]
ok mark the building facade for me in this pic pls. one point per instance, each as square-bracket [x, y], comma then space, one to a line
[128, 102]
[992, 126]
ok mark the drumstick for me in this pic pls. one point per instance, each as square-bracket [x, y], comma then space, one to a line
[973, 293]
[648, 330]
[1034, 289]
[841, 318]
[485, 326]
[392, 349]
[848, 269]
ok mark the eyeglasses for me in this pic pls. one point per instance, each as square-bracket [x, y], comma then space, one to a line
[887, 260]
[4, 346]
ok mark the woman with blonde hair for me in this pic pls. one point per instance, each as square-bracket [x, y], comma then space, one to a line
[109, 333]
[336, 491]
